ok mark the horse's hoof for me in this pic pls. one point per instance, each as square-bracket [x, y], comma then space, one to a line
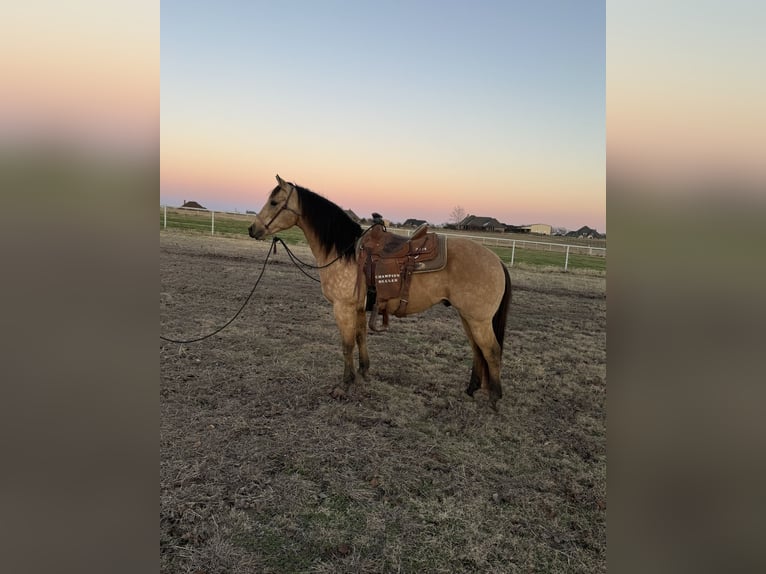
[338, 394]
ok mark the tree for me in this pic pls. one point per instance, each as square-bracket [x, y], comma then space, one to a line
[457, 215]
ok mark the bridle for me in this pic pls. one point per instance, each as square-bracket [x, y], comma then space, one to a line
[280, 210]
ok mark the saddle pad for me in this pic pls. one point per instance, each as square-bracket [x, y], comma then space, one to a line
[436, 263]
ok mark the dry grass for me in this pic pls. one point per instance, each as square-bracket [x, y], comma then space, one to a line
[261, 471]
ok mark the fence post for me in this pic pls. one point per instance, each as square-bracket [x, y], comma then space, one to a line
[212, 223]
[566, 260]
[165, 218]
[513, 251]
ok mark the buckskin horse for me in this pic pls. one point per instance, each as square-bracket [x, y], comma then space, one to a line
[473, 280]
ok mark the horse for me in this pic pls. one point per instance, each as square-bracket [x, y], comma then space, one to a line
[474, 281]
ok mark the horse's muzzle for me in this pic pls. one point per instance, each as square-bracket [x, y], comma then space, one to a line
[255, 233]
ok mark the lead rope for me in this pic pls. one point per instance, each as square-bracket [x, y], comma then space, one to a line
[272, 247]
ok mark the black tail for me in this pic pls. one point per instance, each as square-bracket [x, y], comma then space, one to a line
[499, 319]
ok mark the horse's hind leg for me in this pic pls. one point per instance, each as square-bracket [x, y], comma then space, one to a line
[479, 368]
[483, 336]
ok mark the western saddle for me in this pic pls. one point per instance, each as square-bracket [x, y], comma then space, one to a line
[387, 262]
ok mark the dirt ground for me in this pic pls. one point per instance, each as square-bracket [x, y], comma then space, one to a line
[262, 471]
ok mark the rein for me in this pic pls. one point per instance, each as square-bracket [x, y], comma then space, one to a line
[298, 262]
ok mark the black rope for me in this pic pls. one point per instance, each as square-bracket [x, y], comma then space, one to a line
[299, 263]
[229, 322]
[272, 248]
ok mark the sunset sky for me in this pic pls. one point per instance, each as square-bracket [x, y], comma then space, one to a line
[406, 108]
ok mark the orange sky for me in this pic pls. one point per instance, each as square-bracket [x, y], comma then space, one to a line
[499, 109]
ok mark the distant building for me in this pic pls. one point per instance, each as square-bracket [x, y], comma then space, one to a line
[586, 232]
[476, 223]
[540, 228]
[192, 205]
[413, 223]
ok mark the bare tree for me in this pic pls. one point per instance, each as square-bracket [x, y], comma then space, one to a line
[457, 215]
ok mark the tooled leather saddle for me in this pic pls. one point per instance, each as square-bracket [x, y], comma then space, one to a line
[387, 262]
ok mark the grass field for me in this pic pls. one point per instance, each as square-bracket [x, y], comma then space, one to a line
[236, 225]
[262, 471]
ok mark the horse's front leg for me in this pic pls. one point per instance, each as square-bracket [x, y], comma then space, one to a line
[346, 319]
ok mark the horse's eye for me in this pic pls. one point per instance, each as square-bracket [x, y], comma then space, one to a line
[273, 202]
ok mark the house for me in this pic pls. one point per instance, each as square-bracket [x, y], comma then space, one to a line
[192, 205]
[476, 223]
[586, 232]
[413, 223]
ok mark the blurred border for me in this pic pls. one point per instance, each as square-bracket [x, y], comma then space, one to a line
[79, 170]
[686, 132]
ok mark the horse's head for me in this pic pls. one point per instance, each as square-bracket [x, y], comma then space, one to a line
[279, 212]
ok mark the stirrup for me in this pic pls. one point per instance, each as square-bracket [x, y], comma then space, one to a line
[373, 319]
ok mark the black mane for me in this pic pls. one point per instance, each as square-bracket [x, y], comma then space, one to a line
[334, 229]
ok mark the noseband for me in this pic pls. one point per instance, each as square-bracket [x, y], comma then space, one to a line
[280, 210]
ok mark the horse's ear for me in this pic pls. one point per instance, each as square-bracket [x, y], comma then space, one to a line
[286, 185]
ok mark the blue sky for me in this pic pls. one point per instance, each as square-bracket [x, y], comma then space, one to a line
[498, 107]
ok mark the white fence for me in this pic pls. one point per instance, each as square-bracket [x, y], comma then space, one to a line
[201, 222]
[565, 249]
